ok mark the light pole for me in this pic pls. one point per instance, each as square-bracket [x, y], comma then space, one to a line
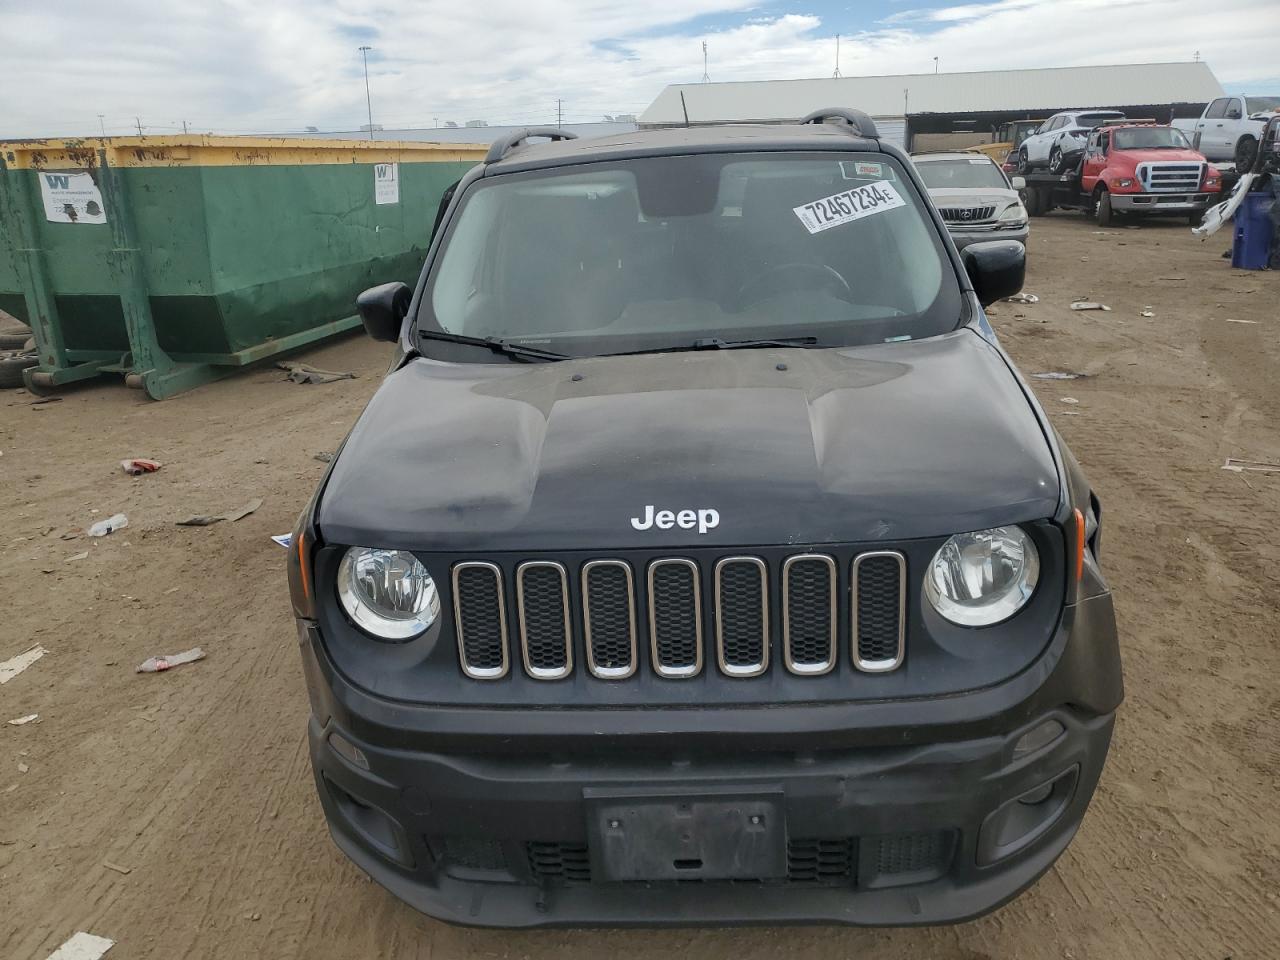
[368, 97]
[103, 124]
[935, 64]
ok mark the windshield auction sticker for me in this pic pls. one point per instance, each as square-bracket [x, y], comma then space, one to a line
[850, 205]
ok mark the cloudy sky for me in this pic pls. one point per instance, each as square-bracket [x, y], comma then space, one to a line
[242, 66]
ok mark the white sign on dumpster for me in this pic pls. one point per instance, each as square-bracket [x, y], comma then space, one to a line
[71, 198]
[386, 183]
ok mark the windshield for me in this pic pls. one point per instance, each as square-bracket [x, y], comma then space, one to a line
[1096, 119]
[1261, 104]
[654, 253]
[1149, 138]
[1021, 129]
[970, 172]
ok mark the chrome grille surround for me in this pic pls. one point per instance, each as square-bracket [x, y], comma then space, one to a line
[474, 672]
[523, 618]
[1171, 175]
[608, 672]
[828, 663]
[761, 664]
[656, 640]
[885, 664]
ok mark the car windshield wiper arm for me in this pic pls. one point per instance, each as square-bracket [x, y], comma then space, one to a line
[715, 343]
[496, 344]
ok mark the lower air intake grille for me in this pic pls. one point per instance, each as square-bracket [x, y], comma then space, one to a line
[809, 613]
[542, 595]
[559, 864]
[913, 853]
[821, 861]
[742, 616]
[879, 605]
[609, 616]
[480, 618]
[675, 617]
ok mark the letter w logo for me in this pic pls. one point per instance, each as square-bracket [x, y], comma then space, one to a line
[58, 182]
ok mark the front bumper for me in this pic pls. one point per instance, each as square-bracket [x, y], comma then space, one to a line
[493, 820]
[963, 236]
[1162, 202]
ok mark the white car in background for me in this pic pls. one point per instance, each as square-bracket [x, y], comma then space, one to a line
[1060, 139]
[975, 198]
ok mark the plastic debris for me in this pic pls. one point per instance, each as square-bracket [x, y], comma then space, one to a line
[23, 768]
[1089, 305]
[204, 520]
[1057, 375]
[159, 664]
[23, 721]
[83, 946]
[1254, 466]
[136, 466]
[117, 867]
[324, 456]
[1229, 320]
[1068, 400]
[103, 527]
[76, 556]
[1148, 312]
[301, 373]
[1022, 298]
[15, 665]
[284, 539]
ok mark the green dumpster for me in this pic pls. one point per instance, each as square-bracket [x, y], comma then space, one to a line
[175, 260]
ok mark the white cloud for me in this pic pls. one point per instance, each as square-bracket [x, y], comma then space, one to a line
[249, 65]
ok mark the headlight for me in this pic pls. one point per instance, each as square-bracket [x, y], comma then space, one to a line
[1015, 212]
[1125, 183]
[388, 593]
[977, 579]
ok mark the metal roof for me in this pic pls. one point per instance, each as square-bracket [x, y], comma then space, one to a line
[986, 91]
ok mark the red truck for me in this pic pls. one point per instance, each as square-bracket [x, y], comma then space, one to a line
[1130, 168]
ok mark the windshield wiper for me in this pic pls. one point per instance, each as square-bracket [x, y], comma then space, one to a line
[496, 344]
[715, 343]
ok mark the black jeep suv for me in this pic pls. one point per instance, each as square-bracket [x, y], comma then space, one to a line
[703, 558]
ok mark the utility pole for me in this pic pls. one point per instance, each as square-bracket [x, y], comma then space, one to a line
[368, 97]
[836, 75]
[706, 77]
[102, 122]
[435, 122]
[184, 128]
[559, 113]
[935, 65]
[138, 121]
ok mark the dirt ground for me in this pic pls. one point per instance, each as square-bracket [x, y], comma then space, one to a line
[197, 781]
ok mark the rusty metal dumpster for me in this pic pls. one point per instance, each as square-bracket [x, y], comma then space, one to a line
[176, 260]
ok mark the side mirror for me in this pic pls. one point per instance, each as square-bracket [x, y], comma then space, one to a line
[1233, 113]
[383, 308]
[996, 268]
[1019, 183]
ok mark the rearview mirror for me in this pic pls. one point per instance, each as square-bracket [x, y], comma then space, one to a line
[1019, 183]
[383, 308]
[996, 268]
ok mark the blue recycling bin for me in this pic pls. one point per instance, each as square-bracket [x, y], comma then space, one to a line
[1251, 249]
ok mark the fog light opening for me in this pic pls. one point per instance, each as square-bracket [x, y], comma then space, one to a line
[1037, 796]
[348, 751]
[1037, 738]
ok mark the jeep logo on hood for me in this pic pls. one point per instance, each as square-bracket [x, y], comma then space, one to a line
[704, 519]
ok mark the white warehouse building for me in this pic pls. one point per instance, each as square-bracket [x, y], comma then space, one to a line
[907, 106]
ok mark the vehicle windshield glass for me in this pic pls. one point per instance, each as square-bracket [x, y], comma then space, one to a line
[1096, 119]
[654, 253]
[1023, 130]
[975, 172]
[1261, 104]
[1149, 138]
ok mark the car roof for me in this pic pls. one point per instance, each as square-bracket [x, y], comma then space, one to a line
[674, 141]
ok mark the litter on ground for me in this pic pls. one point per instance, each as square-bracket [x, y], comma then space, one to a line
[103, 527]
[76, 556]
[159, 664]
[117, 867]
[244, 511]
[301, 373]
[324, 456]
[1068, 400]
[83, 946]
[1229, 320]
[1148, 312]
[23, 721]
[204, 520]
[1022, 298]
[15, 665]
[1089, 305]
[1057, 375]
[135, 466]
[284, 539]
[1253, 466]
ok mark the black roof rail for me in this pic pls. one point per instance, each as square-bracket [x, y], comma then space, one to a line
[863, 124]
[514, 139]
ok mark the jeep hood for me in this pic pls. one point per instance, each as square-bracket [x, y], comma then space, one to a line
[889, 442]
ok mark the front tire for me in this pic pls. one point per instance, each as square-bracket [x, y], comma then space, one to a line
[1246, 152]
[1103, 213]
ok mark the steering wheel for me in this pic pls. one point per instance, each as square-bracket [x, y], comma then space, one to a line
[801, 274]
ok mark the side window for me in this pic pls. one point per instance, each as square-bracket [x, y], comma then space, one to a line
[1217, 109]
[1061, 122]
[1233, 109]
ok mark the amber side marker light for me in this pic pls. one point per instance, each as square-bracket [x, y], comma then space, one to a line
[1079, 545]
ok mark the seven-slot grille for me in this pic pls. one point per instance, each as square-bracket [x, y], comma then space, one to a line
[741, 592]
[1171, 176]
[967, 214]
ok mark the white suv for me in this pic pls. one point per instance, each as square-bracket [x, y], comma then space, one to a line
[1061, 138]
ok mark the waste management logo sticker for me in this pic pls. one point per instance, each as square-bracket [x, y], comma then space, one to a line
[849, 205]
[71, 198]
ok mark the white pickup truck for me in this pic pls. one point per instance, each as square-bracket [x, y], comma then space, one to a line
[1230, 127]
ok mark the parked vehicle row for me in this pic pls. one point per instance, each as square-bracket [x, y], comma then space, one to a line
[1230, 128]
